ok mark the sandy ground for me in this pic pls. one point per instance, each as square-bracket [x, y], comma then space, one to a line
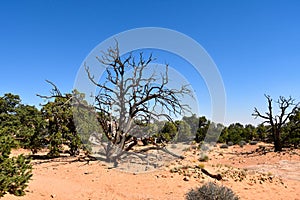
[248, 171]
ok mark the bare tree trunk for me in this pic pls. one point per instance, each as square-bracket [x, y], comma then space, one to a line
[130, 95]
[287, 108]
[277, 141]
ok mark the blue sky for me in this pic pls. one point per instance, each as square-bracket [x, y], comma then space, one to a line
[255, 44]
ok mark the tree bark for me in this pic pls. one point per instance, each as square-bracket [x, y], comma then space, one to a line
[277, 141]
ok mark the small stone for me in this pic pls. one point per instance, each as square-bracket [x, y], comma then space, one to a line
[52, 195]
[186, 178]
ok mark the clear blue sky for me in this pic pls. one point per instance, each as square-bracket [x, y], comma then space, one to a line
[255, 44]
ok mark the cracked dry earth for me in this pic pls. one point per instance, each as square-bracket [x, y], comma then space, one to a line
[249, 172]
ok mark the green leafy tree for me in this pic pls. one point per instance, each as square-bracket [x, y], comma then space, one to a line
[203, 125]
[32, 130]
[8, 118]
[249, 133]
[262, 132]
[291, 135]
[15, 172]
[86, 121]
[235, 133]
[168, 132]
[23, 122]
[224, 135]
[71, 122]
[213, 132]
[61, 130]
[193, 122]
[184, 131]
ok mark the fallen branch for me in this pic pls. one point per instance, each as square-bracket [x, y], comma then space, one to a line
[215, 176]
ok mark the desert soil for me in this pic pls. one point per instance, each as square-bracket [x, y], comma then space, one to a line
[251, 172]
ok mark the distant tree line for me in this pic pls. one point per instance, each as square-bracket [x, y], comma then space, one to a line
[53, 127]
[236, 133]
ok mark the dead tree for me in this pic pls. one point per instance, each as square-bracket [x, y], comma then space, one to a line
[286, 108]
[128, 95]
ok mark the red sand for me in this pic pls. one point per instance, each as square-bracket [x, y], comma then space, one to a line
[62, 179]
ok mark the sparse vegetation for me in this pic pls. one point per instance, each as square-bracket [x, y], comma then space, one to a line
[203, 158]
[201, 166]
[211, 191]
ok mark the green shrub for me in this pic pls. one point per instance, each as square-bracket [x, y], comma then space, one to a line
[203, 158]
[15, 171]
[211, 191]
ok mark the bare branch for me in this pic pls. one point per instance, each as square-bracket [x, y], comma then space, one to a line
[286, 107]
[135, 97]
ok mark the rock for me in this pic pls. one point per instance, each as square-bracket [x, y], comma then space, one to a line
[53, 195]
[186, 178]
[230, 143]
[253, 142]
[224, 146]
